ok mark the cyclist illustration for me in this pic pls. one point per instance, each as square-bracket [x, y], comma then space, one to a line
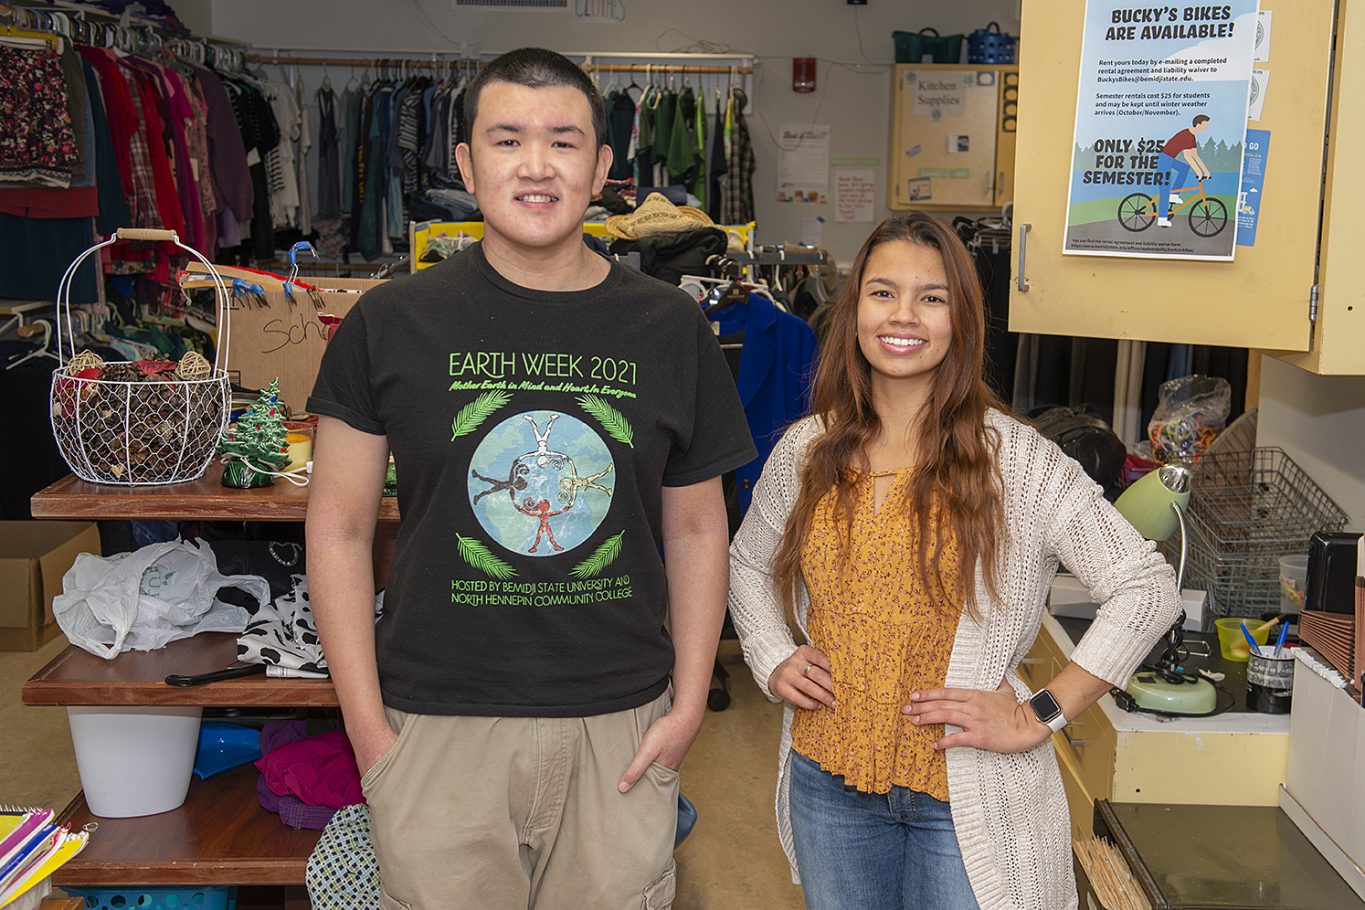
[1208, 214]
[1179, 155]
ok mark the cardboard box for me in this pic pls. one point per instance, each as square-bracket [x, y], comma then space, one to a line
[282, 339]
[34, 555]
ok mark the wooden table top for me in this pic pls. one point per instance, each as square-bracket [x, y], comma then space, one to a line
[76, 677]
[204, 499]
[220, 836]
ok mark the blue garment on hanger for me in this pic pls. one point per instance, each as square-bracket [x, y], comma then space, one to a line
[776, 366]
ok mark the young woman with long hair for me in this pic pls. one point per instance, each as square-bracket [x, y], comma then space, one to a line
[911, 530]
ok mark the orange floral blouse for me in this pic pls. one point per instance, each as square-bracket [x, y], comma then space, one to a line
[886, 635]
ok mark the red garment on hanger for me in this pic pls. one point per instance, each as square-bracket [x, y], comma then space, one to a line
[118, 108]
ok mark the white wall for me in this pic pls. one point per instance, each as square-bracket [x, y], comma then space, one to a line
[855, 104]
[197, 15]
[1320, 422]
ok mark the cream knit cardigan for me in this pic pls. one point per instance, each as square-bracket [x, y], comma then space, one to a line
[1009, 811]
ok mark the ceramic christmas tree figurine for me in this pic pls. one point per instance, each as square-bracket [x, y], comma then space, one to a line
[255, 445]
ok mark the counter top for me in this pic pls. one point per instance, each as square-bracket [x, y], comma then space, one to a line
[1066, 631]
[205, 499]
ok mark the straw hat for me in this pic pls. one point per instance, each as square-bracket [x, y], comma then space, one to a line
[656, 215]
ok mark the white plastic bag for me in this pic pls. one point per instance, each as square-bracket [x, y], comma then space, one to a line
[142, 600]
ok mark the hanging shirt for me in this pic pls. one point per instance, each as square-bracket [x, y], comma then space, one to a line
[775, 369]
[664, 113]
[682, 141]
[715, 163]
[38, 145]
[620, 123]
[738, 206]
[230, 175]
[329, 152]
[280, 164]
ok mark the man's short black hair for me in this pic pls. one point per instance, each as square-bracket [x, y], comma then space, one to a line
[1199, 118]
[535, 67]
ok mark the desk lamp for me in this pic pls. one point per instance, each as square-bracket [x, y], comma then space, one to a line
[1154, 505]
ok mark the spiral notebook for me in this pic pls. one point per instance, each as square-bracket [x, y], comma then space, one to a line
[31, 849]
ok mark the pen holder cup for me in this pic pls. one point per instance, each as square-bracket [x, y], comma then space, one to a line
[1231, 643]
[1270, 680]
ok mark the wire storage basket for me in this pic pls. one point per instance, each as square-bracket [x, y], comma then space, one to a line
[1248, 509]
[131, 430]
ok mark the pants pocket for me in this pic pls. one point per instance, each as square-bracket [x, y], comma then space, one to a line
[660, 893]
[375, 774]
[662, 774]
[389, 902]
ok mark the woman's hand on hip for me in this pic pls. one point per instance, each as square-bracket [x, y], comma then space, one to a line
[993, 721]
[804, 679]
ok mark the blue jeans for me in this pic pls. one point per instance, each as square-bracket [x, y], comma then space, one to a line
[1179, 168]
[871, 851]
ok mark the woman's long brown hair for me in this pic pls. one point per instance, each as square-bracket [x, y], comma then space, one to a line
[955, 460]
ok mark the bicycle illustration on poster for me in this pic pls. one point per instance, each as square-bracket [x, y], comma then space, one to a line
[1160, 129]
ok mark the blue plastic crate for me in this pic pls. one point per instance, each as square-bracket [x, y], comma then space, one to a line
[140, 898]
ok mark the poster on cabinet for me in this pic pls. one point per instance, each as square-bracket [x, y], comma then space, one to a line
[1161, 118]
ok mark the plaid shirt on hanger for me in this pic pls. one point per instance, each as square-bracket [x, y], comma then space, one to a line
[737, 206]
[143, 201]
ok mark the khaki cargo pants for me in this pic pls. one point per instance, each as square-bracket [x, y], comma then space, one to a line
[522, 812]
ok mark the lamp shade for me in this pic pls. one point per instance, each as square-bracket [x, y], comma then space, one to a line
[1147, 503]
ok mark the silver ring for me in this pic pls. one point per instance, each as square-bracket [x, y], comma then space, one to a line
[806, 672]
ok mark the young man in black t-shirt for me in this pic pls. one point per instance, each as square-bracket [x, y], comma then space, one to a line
[520, 711]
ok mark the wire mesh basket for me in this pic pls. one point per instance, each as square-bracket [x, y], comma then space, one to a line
[161, 430]
[1248, 509]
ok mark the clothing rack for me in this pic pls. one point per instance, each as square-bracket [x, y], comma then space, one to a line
[739, 68]
[127, 32]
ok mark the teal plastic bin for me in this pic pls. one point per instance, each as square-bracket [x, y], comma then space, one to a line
[913, 47]
[133, 897]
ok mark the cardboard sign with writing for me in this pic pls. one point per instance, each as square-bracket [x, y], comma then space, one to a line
[275, 337]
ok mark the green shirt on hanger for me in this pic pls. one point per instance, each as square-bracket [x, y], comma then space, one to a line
[682, 145]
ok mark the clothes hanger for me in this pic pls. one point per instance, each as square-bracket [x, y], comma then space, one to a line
[28, 331]
[20, 37]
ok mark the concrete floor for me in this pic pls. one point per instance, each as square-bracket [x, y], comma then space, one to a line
[731, 860]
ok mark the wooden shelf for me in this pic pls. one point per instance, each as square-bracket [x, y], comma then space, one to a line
[76, 677]
[220, 836]
[204, 499]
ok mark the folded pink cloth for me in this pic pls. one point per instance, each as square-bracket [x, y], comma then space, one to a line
[319, 770]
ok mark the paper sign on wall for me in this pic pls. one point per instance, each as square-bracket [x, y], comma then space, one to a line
[1161, 116]
[1253, 185]
[600, 10]
[803, 163]
[854, 190]
[1260, 84]
[1263, 36]
[938, 95]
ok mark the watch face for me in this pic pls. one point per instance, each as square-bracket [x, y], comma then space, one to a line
[1045, 706]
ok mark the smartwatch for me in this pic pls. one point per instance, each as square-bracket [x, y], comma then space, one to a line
[1048, 710]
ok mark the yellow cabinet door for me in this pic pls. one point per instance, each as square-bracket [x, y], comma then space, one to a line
[943, 136]
[1259, 300]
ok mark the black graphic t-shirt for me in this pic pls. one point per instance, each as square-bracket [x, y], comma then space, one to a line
[532, 434]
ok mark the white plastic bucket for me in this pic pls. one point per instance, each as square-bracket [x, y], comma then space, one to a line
[134, 761]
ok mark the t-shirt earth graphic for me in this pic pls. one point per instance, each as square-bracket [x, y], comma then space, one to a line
[540, 483]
